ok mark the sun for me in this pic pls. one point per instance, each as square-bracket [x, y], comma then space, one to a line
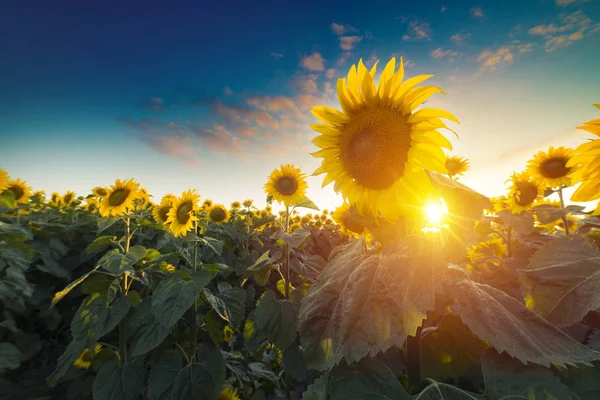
[436, 211]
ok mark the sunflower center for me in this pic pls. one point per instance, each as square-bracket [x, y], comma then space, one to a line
[217, 214]
[183, 212]
[352, 224]
[101, 192]
[452, 166]
[163, 213]
[528, 192]
[18, 191]
[68, 198]
[374, 147]
[286, 185]
[118, 196]
[554, 168]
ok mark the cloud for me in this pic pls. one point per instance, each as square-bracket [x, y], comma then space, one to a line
[440, 53]
[340, 29]
[305, 83]
[227, 91]
[564, 3]
[460, 38]
[276, 105]
[444, 8]
[477, 12]
[574, 27]
[417, 31]
[409, 64]
[313, 62]
[543, 29]
[277, 56]
[156, 104]
[525, 47]
[491, 59]
[348, 42]
[330, 73]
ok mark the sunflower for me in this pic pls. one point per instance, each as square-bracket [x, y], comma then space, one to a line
[247, 203]
[456, 166]
[347, 218]
[39, 195]
[55, 199]
[91, 204]
[490, 248]
[268, 209]
[3, 180]
[376, 148]
[85, 359]
[99, 191]
[228, 393]
[181, 215]
[236, 205]
[20, 190]
[218, 214]
[119, 198]
[286, 185]
[550, 169]
[167, 268]
[524, 192]
[160, 211]
[207, 203]
[68, 198]
[143, 200]
[227, 334]
[587, 157]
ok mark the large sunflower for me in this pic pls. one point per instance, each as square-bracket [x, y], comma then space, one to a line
[376, 148]
[181, 215]
[218, 214]
[286, 185]
[3, 180]
[524, 192]
[550, 169]
[160, 212]
[456, 166]
[119, 198]
[20, 190]
[587, 157]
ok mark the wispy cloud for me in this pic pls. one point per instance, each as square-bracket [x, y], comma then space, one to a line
[417, 31]
[340, 29]
[564, 3]
[477, 12]
[313, 62]
[347, 42]
[440, 53]
[460, 38]
[156, 104]
[227, 91]
[444, 8]
[277, 56]
[491, 59]
[573, 27]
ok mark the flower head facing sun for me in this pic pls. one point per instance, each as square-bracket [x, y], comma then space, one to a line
[348, 220]
[20, 190]
[286, 185]
[587, 161]
[524, 192]
[550, 169]
[247, 203]
[119, 198]
[218, 214]
[160, 212]
[99, 191]
[456, 166]
[68, 198]
[376, 149]
[181, 215]
[236, 205]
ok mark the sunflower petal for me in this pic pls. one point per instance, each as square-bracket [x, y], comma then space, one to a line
[326, 129]
[595, 129]
[426, 113]
[330, 115]
[324, 141]
[587, 191]
[418, 97]
[407, 85]
[432, 137]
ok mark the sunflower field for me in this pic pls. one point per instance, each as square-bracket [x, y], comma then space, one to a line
[417, 287]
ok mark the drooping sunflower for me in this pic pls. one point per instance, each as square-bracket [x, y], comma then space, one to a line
[587, 157]
[119, 198]
[286, 185]
[236, 205]
[456, 165]
[247, 203]
[218, 214]
[550, 169]
[524, 192]
[68, 198]
[376, 149]
[160, 211]
[3, 180]
[85, 359]
[228, 393]
[99, 191]
[20, 190]
[181, 215]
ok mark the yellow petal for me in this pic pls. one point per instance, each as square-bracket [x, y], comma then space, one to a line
[383, 91]
[324, 141]
[327, 180]
[595, 129]
[345, 103]
[407, 85]
[326, 129]
[373, 70]
[426, 113]
[418, 97]
[330, 115]
[326, 153]
[587, 191]
[432, 137]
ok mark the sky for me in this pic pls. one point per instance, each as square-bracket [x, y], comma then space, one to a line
[214, 95]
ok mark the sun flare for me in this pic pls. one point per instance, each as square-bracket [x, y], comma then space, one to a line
[436, 211]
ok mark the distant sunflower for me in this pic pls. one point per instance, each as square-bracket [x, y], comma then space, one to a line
[348, 220]
[494, 247]
[228, 393]
[456, 165]
[68, 198]
[524, 192]
[268, 209]
[587, 157]
[85, 359]
[550, 169]
[91, 204]
[119, 198]
[207, 203]
[236, 205]
[3, 180]
[286, 185]
[99, 191]
[376, 149]
[247, 203]
[227, 334]
[218, 214]
[20, 190]
[160, 211]
[181, 215]
[56, 200]
[40, 196]
[143, 200]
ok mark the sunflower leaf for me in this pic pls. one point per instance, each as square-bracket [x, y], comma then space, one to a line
[521, 223]
[116, 382]
[547, 213]
[58, 296]
[105, 223]
[201, 380]
[100, 243]
[162, 375]
[275, 319]
[294, 239]
[362, 304]
[562, 281]
[307, 203]
[229, 303]
[149, 332]
[116, 262]
[442, 391]
[460, 199]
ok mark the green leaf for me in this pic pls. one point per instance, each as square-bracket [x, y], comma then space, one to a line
[281, 287]
[214, 244]
[14, 229]
[64, 362]
[276, 319]
[367, 379]
[509, 326]
[229, 303]
[461, 200]
[7, 199]
[10, 357]
[547, 213]
[201, 380]
[214, 268]
[97, 315]
[149, 332]
[562, 281]
[174, 296]
[134, 297]
[363, 304]
[442, 391]
[294, 362]
[114, 382]
[100, 243]
[96, 284]
[294, 239]
[307, 203]
[162, 375]
[504, 376]
[583, 381]
[309, 265]
[261, 269]
[319, 389]
[58, 296]
[260, 371]
[521, 223]
[116, 262]
[105, 223]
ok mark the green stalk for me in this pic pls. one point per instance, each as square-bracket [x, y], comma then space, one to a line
[122, 342]
[194, 332]
[286, 282]
[413, 358]
[562, 205]
[508, 242]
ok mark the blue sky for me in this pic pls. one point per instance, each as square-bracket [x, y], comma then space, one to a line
[214, 95]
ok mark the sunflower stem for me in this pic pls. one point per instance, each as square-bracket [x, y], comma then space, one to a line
[194, 323]
[562, 205]
[508, 242]
[286, 282]
[413, 358]
[122, 342]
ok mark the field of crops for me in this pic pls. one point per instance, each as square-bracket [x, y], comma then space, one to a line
[417, 287]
